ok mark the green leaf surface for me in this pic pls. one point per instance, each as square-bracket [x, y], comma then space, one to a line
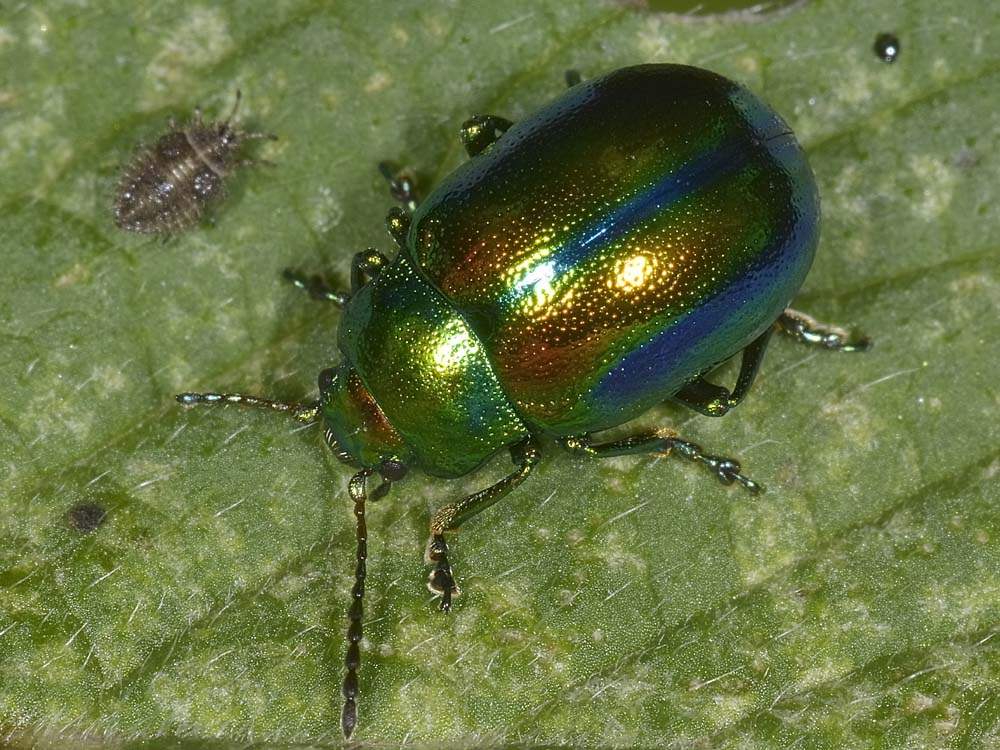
[625, 603]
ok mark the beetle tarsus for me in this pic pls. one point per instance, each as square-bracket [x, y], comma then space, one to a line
[663, 442]
[725, 469]
[441, 581]
[808, 330]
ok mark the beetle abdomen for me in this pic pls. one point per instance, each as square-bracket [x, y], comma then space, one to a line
[639, 230]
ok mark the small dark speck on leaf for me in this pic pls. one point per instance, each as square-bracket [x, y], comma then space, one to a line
[85, 517]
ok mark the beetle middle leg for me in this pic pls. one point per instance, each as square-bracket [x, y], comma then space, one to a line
[663, 442]
[482, 131]
[525, 456]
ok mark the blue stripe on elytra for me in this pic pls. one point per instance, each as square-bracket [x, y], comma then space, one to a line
[669, 189]
[610, 227]
[667, 351]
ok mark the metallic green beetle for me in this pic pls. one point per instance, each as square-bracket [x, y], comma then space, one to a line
[585, 264]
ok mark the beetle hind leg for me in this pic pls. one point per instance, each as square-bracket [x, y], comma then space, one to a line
[808, 330]
[715, 400]
[663, 442]
[441, 581]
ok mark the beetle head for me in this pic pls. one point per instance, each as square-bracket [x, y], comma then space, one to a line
[356, 428]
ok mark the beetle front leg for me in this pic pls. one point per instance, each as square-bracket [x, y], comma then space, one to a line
[663, 442]
[808, 330]
[441, 582]
[482, 131]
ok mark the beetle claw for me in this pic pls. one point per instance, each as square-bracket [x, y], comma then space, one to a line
[728, 472]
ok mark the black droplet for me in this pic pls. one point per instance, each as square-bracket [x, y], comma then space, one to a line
[887, 47]
[85, 517]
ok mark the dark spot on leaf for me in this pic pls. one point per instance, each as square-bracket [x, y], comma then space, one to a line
[86, 517]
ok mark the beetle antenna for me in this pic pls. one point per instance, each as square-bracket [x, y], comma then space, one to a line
[301, 412]
[352, 660]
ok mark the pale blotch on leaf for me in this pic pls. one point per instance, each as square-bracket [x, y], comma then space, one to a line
[200, 40]
[38, 32]
[108, 379]
[848, 195]
[400, 35]
[326, 210]
[966, 604]
[748, 65]
[853, 419]
[23, 136]
[78, 273]
[821, 671]
[771, 536]
[938, 180]
[377, 82]
[725, 709]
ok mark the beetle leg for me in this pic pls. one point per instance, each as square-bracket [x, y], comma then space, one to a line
[316, 287]
[365, 266]
[663, 442]
[397, 221]
[810, 331]
[714, 400]
[441, 582]
[482, 131]
[402, 184]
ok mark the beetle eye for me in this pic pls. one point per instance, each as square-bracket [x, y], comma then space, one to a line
[392, 470]
[326, 380]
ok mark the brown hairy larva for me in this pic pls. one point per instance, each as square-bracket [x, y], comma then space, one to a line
[166, 186]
